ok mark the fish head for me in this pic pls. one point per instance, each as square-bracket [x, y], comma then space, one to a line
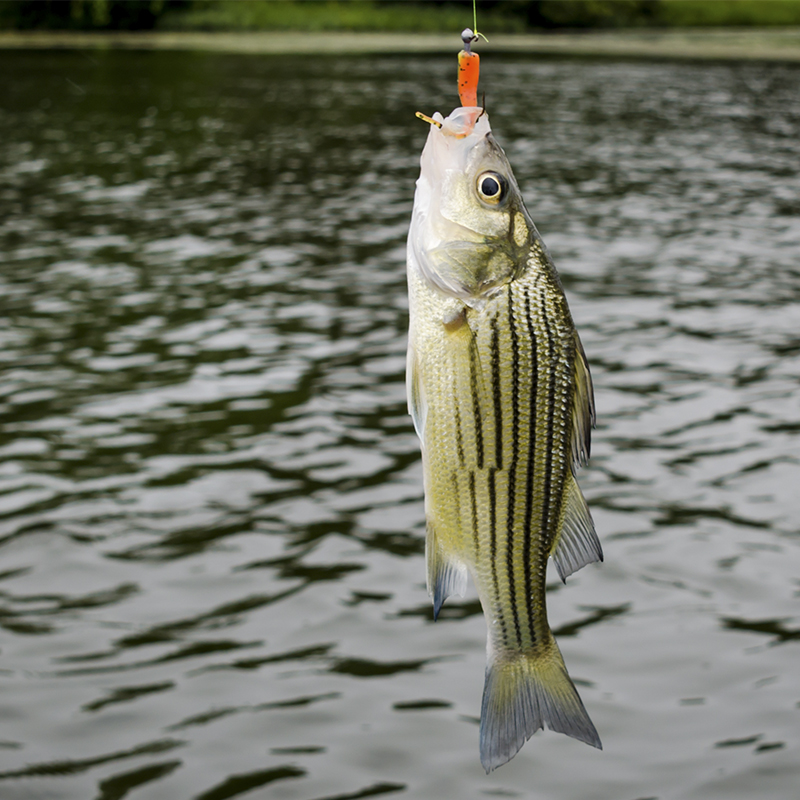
[470, 232]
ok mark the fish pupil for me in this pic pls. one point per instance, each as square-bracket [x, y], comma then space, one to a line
[490, 187]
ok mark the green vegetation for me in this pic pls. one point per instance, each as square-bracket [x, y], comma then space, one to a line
[390, 15]
[341, 15]
[550, 14]
[722, 13]
[81, 14]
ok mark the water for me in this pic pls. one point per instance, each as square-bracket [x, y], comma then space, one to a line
[212, 578]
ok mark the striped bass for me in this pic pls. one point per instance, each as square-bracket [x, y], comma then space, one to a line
[501, 398]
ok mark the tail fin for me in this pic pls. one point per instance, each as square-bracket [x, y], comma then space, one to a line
[523, 693]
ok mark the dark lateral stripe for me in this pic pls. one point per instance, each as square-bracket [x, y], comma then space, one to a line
[474, 366]
[459, 431]
[473, 504]
[456, 493]
[562, 372]
[552, 361]
[512, 468]
[528, 533]
[497, 395]
[493, 549]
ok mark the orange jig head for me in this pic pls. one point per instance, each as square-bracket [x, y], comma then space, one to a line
[469, 65]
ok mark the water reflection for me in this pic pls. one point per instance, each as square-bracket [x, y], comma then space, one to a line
[210, 492]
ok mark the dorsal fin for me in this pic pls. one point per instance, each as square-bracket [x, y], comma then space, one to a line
[583, 413]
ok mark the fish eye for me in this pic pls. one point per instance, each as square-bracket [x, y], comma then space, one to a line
[491, 187]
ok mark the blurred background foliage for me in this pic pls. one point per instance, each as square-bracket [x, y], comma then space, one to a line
[412, 15]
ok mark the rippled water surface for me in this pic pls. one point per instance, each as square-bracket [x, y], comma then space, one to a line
[211, 571]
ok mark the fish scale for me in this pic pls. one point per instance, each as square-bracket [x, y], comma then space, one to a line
[524, 485]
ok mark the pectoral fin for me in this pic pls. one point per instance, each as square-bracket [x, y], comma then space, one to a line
[465, 363]
[577, 544]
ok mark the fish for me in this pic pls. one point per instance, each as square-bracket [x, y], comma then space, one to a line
[501, 397]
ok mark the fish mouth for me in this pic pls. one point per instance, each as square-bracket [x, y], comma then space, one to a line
[461, 121]
[459, 124]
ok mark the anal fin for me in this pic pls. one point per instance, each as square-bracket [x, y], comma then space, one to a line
[447, 575]
[577, 544]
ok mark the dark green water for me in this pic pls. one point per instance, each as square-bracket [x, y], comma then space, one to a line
[211, 522]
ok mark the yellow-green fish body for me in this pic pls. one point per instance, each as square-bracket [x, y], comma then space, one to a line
[501, 397]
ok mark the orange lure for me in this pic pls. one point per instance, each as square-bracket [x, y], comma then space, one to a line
[468, 72]
[469, 65]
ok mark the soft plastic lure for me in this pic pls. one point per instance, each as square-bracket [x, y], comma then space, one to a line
[469, 66]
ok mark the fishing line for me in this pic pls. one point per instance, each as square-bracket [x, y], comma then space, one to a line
[475, 22]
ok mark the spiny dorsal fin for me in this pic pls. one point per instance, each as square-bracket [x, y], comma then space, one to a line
[583, 414]
[446, 574]
[577, 544]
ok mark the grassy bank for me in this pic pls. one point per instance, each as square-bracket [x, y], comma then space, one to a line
[753, 44]
[344, 15]
[494, 16]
